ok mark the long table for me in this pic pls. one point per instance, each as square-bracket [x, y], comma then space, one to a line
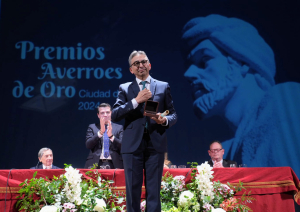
[275, 189]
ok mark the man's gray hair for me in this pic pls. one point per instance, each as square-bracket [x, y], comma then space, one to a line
[41, 152]
[134, 53]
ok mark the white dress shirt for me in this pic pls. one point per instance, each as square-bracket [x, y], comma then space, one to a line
[134, 102]
[47, 167]
[102, 154]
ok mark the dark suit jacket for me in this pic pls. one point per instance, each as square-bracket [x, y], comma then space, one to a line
[226, 163]
[41, 167]
[94, 143]
[134, 119]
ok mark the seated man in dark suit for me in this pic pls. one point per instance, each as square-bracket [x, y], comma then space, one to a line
[104, 140]
[216, 153]
[45, 156]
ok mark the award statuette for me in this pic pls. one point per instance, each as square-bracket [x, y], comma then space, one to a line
[151, 108]
[164, 113]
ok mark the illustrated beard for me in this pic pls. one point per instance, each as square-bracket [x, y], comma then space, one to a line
[212, 103]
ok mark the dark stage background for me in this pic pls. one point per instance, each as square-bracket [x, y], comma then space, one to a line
[48, 99]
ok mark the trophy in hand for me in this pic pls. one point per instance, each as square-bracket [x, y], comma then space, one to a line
[151, 108]
[164, 113]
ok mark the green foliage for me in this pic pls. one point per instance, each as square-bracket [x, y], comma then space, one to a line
[67, 165]
[36, 193]
[95, 165]
[29, 192]
[214, 194]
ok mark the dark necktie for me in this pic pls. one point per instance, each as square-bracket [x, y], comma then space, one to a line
[106, 143]
[144, 86]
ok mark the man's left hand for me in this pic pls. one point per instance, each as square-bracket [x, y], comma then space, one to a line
[109, 129]
[159, 120]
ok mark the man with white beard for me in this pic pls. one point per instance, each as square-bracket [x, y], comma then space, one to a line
[231, 70]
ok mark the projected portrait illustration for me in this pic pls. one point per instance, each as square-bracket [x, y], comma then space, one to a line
[231, 70]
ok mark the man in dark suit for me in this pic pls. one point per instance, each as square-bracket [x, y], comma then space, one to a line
[45, 157]
[104, 140]
[216, 153]
[144, 142]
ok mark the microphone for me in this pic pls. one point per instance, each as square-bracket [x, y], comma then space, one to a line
[37, 164]
[39, 161]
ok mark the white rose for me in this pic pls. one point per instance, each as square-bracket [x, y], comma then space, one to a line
[101, 205]
[49, 208]
[218, 210]
[185, 198]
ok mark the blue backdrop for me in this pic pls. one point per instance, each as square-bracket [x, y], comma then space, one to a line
[59, 59]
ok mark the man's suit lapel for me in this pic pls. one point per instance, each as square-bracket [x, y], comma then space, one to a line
[152, 87]
[113, 128]
[134, 88]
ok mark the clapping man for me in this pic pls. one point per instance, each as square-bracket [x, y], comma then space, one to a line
[104, 140]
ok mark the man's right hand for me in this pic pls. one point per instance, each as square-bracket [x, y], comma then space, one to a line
[218, 165]
[143, 96]
[102, 124]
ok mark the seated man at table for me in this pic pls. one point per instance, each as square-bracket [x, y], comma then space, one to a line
[216, 153]
[45, 157]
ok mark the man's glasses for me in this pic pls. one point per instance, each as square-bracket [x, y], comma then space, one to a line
[215, 150]
[137, 63]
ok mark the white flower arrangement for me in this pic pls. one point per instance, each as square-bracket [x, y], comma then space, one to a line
[72, 188]
[218, 210]
[202, 194]
[143, 205]
[69, 207]
[72, 193]
[185, 198]
[69, 193]
[204, 180]
[49, 208]
[100, 205]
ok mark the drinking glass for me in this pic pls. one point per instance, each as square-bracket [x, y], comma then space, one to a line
[181, 166]
[173, 167]
[242, 165]
[232, 166]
